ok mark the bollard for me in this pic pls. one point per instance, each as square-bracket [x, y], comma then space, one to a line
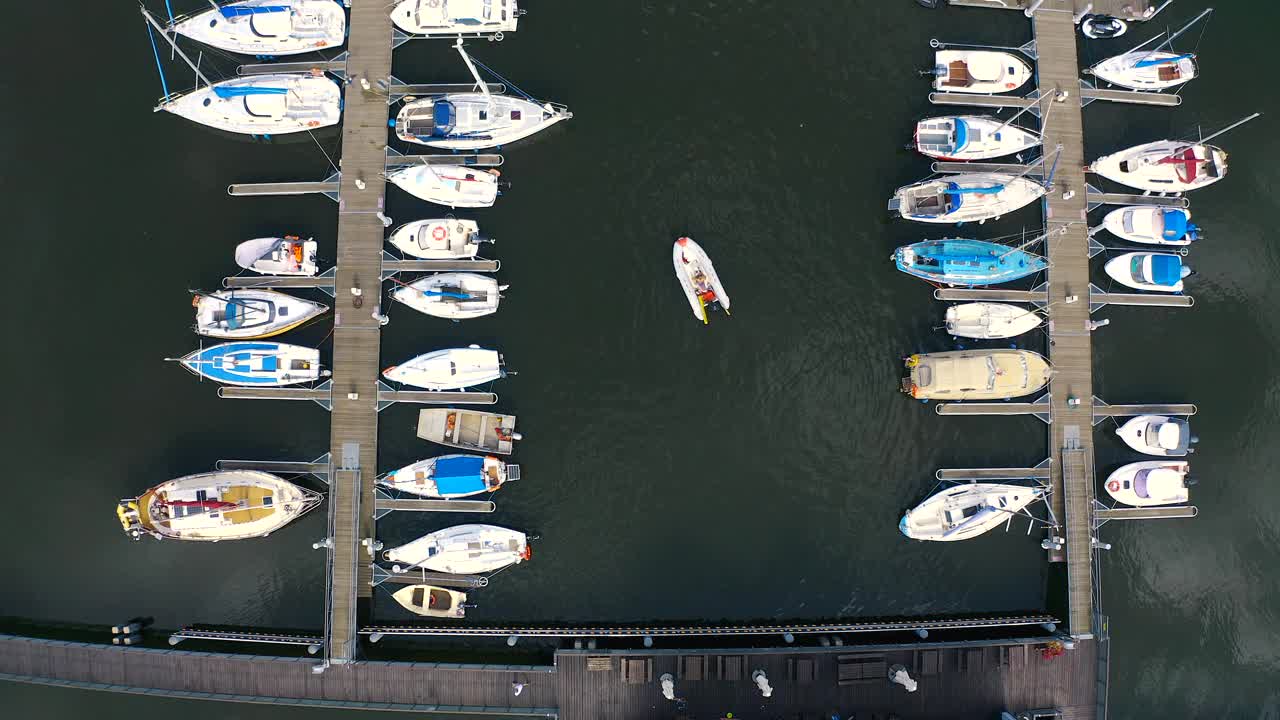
[313, 648]
[648, 641]
[922, 634]
[174, 639]
[788, 638]
[375, 637]
[512, 640]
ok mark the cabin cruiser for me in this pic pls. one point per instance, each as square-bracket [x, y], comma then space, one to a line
[469, 429]
[276, 104]
[224, 505]
[451, 476]
[289, 255]
[462, 550]
[454, 296]
[431, 601]
[975, 374]
[439, 239]
[1164, 166]
[978, 71]
[1158, 272]
[268, 27]
[453, 18]
[991, 321]
[1158, 435]
[965, 197]
[1152, 225]
[960, 261]
[454, 185]
[1153, 482]
[255, 363]
[251, 314]
[971, 137]
[453, 369]
[961, 512]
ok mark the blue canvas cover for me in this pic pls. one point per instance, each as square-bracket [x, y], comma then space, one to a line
[230, 11]
[442, 116]
[1166, 269]
[962, 134]
[241, 91]
[1165, 61]
[1175, 224]
[459, 475]
[206, 362]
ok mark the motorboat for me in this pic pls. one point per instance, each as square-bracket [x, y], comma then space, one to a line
[965, 197]
[439, 239]
[431, 601]
[1152, 482]
[268, 27]
[1146, 70]
[251, 314]
[462, 550]
[452, 18]
[991, 321]
[469, 429]
[966, 511]
[1101, 27]
[975, 374]
[453, 369]
[698, 278]
[1158, 435]
[224, 505]
[978, 71]
[1152, 225]
[255, 363]
[289, 255]
[1165, 166]
[276, 104]
[454, 185]
[960, 261]
[455, 296]
[450, 476]
[1159, 272]
[971, 137]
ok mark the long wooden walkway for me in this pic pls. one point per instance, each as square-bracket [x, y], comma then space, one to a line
[353, 435]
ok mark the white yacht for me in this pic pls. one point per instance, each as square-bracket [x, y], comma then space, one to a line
[979, 71]
[1152, 225]
[462, 550]
[1158, 272]
[225, 505]
[965, 197]
[1158, 435]
[454, 185]
[453, 369]
[991, 321]
[1153, 482]
[454, 296]
[439, 239]
[268, 27]
[971, 137]
[247, 314]
[966, 511]
[453, 18]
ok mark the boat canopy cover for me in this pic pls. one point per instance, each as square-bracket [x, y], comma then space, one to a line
[459, 475]
[1169, 436]
[991, 190]
[443, 114]
[230, 11]
[1162, 61]
[1166, 269]
[962, 134]
[245, 91]
[1175, 224]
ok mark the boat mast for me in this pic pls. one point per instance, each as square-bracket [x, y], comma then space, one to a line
[1034, 102]
[1169, 40]
[484, 87]
[1033, 241]
[1224, 130]
[173, 43]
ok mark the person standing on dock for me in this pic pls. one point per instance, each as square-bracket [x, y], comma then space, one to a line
[517, 687]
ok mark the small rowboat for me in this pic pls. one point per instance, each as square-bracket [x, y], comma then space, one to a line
[431, 601]
[469, 429]
[698, 278]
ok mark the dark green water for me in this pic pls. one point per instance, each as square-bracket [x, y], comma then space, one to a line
[755, 468]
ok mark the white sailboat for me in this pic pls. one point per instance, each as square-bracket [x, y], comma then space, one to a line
[1152, 225]
[1158, 435]
[979, 71]
[965, 197]
[452, 369]
[454, 296]
[698, 278]
[1168, 166]
[450, 476]
[991, 321]
[1151, 70]
[267, 27]
[1152, 482]
[251, 314]
[454, 18]
[454, 185]
[961, 512]
[431, 601]
[225, 505]
[462, 550]
[439, 239]
[289, 255]
[971, 137]
[1158, 272]
[475, 120]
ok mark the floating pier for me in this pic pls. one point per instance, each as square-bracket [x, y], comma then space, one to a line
[980, 167]
[1040, 472]
[1097, 199]
[384, 397]
[1042, 408]
[1147, 513]
[1096, 300]
[336, 66]
[328, 187]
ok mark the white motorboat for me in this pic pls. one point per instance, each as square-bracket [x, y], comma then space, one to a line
[1159, 272]
[971, 137]
[1152, 225]
[450, 476]
[455, 296]
[1165, 166]
[289, 255]
[1145, 70]
[961, 512]
[268, 27]
[469, 429]
[698, 278]
[1158, 435]
[965, 197]
[1101, 27]
[262, 104]
[453, 369]
[255, 363]
[991, 321]
[251, 314]
[975, 374]
[225, 505]
[462, 550]
[431, 601]
[439, 239]
[454, 18]
[1152, 482]
[978, 71]
[451, 185]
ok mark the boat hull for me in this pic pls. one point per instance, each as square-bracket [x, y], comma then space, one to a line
[962, 512]
[456, 186]
[255, 364]
[507, 120]
[1150, 483]
[966, 263]
[991, 321]
[278, 256]
[1123, 70]
[448, 477]
[1164, 166]
[462, 550]
[211, 507]
[438, 239]
[980, 72]
[302, 26]
[1128, 270]
[963, 138]
[431, 601]
[437, 21]
[453, 296]
[975, 375]
[1151, 225]
[468, 430]
[453, 369]
[965, 197]
[290, 103]
[1157, 435]
[698, 278]
[250, 314]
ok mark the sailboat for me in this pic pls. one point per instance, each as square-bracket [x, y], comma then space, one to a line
[267, 27]
[1152, 70]
[1152, 225]
[965, 262]
[1152, 482]
[475, 120]
[289, 255]
[991, 321]
[961, 512]
[450, 476]
[1160, 272]
[254, 364]
[454, 296]
[975, 374]
[251, 314]
[455, 185]
[978, 71]
[454, 18]
[431, 601]
[469, 429]
[971, 137]
[965, 197]
[452, 369]
[1167, 166]
[698, 279]
[224, 505]
[439, 239]
[462, 550]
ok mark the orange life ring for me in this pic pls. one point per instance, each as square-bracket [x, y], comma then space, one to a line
[1113, 485]
[439, 233]
[313, 123]
[1010, 86]
[528, 551]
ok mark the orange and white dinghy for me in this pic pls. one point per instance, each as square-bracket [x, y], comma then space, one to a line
[698, 278]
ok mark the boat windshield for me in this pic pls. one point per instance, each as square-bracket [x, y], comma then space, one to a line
[242, 314]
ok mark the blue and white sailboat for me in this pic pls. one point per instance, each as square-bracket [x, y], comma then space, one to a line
[969, 263]
[1151, 70]
[266, 27]
[965, 197]
[255, 364]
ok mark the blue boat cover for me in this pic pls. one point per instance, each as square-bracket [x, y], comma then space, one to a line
[1166, 269]
[442, 117]
[241, 91]
[239, 354]
[962, 135]
[230, 11]
[1165, 61]
[459, 475]
[978, 190]
[1175, 224]
[445, 293]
